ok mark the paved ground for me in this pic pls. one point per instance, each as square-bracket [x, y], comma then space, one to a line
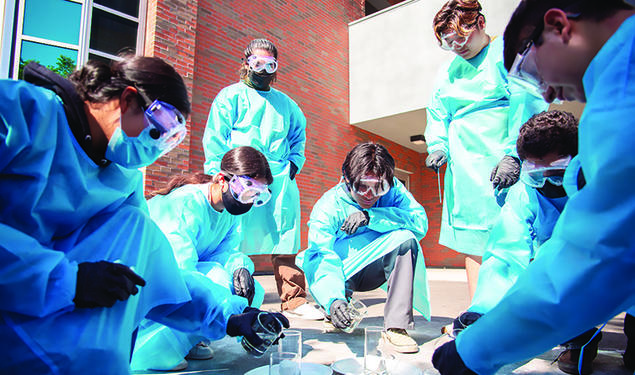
[448, 296]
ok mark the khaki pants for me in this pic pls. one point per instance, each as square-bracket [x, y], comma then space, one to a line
[289, 280]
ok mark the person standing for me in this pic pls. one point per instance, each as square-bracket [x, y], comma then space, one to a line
[472, 124]
[253, 113]
[575, 50]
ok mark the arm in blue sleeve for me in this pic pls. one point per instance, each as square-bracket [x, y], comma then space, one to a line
[216, 138]
[230, 256]
[508, 251]
[401, 211]
[206, 314]
[322, 266]
[524, 102]
[438, 120]
[583, 274]
[297, 137]
[34, 280]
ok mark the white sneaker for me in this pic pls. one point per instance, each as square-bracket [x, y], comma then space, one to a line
[305, 311]
[200, 351]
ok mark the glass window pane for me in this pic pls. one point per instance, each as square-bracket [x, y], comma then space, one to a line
[60, 60]
[110, 33]
[56, 20]
[129, 7]
[99, 58]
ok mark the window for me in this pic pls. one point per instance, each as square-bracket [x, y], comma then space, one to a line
[403, 176]
[63, 34]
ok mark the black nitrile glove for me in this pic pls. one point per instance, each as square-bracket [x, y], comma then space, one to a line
[464, 320]
[242, 324]
[293, 169]
[354, 221]
[101, 284]
[244, 285]
[339, 314]
[506, 173]
[448, 361]
[436, 159]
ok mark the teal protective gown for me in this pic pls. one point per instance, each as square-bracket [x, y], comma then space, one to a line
[583, 276]
[333, 256]
[58, 209]
[474, 117]
[526, 221]
[204, 241]
[273, 124]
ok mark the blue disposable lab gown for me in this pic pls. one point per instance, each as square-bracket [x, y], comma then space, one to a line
[204, 241]
[473, 117]
[58, 209]
[273, 124]
[333, 256]
[526, 221]
[583, 276]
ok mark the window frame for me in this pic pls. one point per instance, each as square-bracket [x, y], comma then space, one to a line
[12, 34]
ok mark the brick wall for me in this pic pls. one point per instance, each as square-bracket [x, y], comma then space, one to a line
[204, 39]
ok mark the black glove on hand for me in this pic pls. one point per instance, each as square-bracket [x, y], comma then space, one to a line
[242, 324]
[448, 361]
[293, 169]
[101, 284]
[244, 285]
[436, 159]
[464, 320]
[506, 173]
[354, 221]
[339, 314]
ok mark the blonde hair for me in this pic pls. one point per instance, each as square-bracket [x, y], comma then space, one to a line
[458, 16]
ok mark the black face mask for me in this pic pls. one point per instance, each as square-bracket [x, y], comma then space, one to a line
[233, 206]
[552, 191]
[261, 81]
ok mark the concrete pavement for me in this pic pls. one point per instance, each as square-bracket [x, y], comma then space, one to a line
[449, 297]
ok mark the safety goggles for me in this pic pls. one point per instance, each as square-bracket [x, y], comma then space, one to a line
[454, 41]
[535, 175]
[248, 190]
[372, 185]
[525, 70]
[260, 63]
[166, 123]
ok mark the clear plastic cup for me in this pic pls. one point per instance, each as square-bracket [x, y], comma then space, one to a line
[356, 310]
[374, 360]
[268, 328]
[284, 363]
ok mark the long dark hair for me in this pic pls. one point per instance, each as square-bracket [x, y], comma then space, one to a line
[151, 76]
[368, 158]
[241, 161]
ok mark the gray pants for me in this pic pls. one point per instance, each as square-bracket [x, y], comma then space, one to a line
[396, 267]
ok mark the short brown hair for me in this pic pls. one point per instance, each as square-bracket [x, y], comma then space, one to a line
[457, 16]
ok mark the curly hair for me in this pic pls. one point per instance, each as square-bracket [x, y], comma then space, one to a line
[547, 132]
[458, 16]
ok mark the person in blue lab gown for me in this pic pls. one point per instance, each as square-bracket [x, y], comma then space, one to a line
[82, 262]
[575, 50]
[199, 214]
[253, 113]
[472, 123]
[363, 233]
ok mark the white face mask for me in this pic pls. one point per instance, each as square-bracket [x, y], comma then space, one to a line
[133, 152]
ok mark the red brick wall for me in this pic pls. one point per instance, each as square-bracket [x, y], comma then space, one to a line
[204, 39]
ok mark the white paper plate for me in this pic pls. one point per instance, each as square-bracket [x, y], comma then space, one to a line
[307, 369]
[355, 366]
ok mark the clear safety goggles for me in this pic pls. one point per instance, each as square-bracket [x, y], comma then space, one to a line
[260, 63]
[454, 41]
[248, 190]
[525, 70]
[371, 185]
[535, 175]
[166, 123]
